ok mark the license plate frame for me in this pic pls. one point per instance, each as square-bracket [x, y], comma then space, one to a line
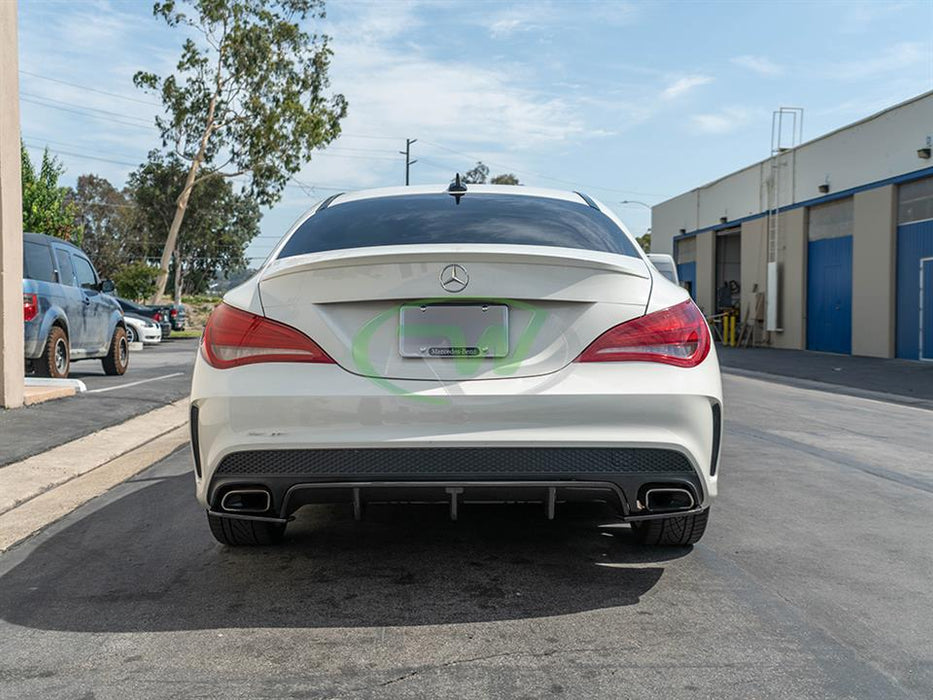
[453, 331]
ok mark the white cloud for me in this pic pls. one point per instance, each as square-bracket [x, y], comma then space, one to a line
[550, 15]
[758, 64]
[893, 58]
[504, 27]
[723, 122]
[684, 85]
[857, 17]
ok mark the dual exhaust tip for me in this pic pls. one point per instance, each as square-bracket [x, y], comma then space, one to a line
[668, 500]
[246, 501]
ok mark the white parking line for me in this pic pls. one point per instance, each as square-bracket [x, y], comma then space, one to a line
[141, 381]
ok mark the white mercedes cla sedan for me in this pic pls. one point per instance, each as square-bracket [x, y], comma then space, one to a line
[457, 345]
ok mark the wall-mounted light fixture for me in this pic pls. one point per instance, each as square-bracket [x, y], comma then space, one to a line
[723, 219]
[683, 231]
[824, 188]
[924, 153]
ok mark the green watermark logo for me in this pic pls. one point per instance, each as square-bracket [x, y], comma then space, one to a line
[467, 360]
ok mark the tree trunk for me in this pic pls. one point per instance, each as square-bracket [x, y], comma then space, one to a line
[178, 279]
[172, 240]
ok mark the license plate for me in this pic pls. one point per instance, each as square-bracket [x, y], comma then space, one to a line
[452, 331]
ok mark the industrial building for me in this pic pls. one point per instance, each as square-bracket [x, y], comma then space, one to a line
[826, 245]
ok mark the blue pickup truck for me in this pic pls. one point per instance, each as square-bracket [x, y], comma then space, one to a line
[68, 312]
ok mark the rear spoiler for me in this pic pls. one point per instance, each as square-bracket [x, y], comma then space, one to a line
[446, 253]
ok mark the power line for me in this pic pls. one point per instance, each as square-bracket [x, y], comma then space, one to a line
[121, 115]
[82, 155]
[109, 120]
[90, 89]
[500, 166]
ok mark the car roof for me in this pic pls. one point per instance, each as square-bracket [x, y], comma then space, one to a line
[519, 190]
[44, 238]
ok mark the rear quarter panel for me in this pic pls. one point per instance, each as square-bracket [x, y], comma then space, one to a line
[37, 331]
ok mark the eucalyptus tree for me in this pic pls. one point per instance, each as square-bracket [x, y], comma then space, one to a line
[249, 97]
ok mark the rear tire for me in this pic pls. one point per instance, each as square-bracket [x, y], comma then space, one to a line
[235, 532]
[677, 531]
[118, 356]
[55, 360]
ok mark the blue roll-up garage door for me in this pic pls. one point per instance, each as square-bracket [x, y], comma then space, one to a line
[915, 291]
[829, 276]
[915, 270]
[829, 295]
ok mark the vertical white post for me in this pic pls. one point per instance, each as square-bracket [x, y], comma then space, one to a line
[11, 217]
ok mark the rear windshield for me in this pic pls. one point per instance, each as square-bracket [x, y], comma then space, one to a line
[37, 262]
[479, 218]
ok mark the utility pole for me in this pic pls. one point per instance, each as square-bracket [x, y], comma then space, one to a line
[11, 218]
[408, 161]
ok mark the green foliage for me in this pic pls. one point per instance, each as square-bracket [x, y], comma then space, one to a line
[505, 179]
[248, 97]
[218, 225]
[479, 175]
[46, 208]
[106, 215]
[476, 175]
[135, 280]
[645, 241]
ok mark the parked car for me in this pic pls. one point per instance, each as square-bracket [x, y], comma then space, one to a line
[175, 313]
[177, 316]
[142, 329]
[484, 343]
[154, 313]
[68, 312]
[665, 265]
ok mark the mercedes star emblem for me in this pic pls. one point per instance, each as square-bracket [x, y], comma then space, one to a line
[454, 278]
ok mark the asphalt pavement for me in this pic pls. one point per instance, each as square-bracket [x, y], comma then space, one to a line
[813, 581]
[899, 381]
[158, 375]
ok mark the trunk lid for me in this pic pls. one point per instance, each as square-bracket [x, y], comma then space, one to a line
[558, 300]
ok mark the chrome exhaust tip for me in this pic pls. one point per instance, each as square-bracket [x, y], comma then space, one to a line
[668, 499]
[246, 501]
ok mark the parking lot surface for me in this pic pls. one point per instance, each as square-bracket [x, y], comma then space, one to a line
[812, 581]
[157, 376]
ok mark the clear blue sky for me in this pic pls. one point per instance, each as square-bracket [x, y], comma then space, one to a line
[623, 100]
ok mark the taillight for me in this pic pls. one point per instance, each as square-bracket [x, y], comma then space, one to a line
[30, 306]
[233, 337]
[677, 335]
[157, 317]
[174, 312]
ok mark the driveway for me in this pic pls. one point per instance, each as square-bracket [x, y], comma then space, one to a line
[813, 581]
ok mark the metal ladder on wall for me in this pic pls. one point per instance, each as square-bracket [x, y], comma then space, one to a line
[786, 135]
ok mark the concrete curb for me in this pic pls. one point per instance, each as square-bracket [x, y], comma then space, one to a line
[136, 440]
[75, 384]
[39, 389]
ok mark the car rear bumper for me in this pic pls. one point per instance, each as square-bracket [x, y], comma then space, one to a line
[312, 433]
